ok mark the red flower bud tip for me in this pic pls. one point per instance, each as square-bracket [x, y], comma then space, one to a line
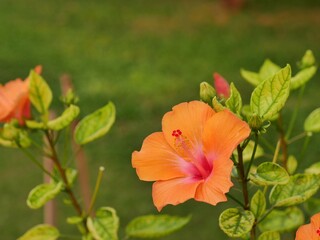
[221, 85]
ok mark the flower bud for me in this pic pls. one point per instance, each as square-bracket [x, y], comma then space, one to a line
[207, 92]
[222, 86]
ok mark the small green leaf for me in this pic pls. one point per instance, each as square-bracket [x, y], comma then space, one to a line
[270, 235]
[217, 106]
[313, 169]
[41, 232]
[235, 222]
[292, 164]
[96, 124]
[39, 93]
[34, 124]
[269, 96]
[258, 204]
[105, 225]
[154, 226]
[268, 69]
[269, 174]
[42, 194]
[300, 188]
[71, 175]
[251, 77]
[307, 60]
[282, 220]
[65, 119]
[234, 102]
[312, 122]
[302, 77]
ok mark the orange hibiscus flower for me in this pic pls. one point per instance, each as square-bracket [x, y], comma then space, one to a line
[14, 100]
[310, 231]
[190, 157]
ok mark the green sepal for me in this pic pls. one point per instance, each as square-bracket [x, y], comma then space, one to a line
[234, 102]
[299, 189]
[41, 232]
[312, 122]
[105, 225]
[13, 136]
[258, 204]
[154, 226]
[39, 93]
[217, 106]
[207, 92]
[43, 193]
[282, 220]
[269, 173]
[270, 235]
[65, 119]
[96, 124]
[269, 97]
[235, 222]
[302, 77]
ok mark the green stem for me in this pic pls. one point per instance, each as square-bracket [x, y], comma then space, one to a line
[276, 152]
[266, 214]
[243, 179]
[296, 138]
[96, 189]
[283, 142]
[295, 113]
[234, 199]
[34, 160]
[253, 153]
[305, 146]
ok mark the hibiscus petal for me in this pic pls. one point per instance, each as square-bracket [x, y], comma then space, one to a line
[190, 119]
[305, 232]
[174, 191]
[157, 160]
[213, 189]
[222, 133]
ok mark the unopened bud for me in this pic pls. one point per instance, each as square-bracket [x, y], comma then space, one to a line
[207, 92]
[307, 60]
[222, 86]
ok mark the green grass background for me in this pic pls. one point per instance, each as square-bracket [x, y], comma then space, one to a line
[145, 56]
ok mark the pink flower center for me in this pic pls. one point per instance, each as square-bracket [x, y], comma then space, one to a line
[199, 166]
[318, 231]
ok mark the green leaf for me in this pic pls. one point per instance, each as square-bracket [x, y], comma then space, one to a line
[282, 220]
[105, 225]
[269, 96]
[312, 206]
[234, 102]
[235, 222]
[154, 226]
[312, 122]
[96, 124]
[268, 69]
[302, 77]
[258, 204]
[292, 164]
[217, 106]
[41, 232]
[71, 174]
[270, 235]
[251, 77]
[313, 169]
[65, 119]
[269, 174]
[39, 93]
[300, 188]
[307, 60]
[42, 194]
[74, 220]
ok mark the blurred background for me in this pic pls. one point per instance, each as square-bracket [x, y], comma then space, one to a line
[145, 56]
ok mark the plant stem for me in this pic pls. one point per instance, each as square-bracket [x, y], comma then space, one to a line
[276, 152]
[234, 199]
[295, 113]
[296, 138]
[283, 142]
[96, 189]
[253, 154]
[243, 179]
[62, 172]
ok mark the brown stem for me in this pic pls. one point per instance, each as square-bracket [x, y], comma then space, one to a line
[55, 159]
[283, 142]
[243, 179]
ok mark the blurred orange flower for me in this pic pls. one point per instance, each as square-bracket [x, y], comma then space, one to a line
[190, 158]
[310, 231]
[14, 100]
[222, 86]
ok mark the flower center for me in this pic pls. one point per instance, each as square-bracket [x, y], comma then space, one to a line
[200, 166]
[318, 231]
